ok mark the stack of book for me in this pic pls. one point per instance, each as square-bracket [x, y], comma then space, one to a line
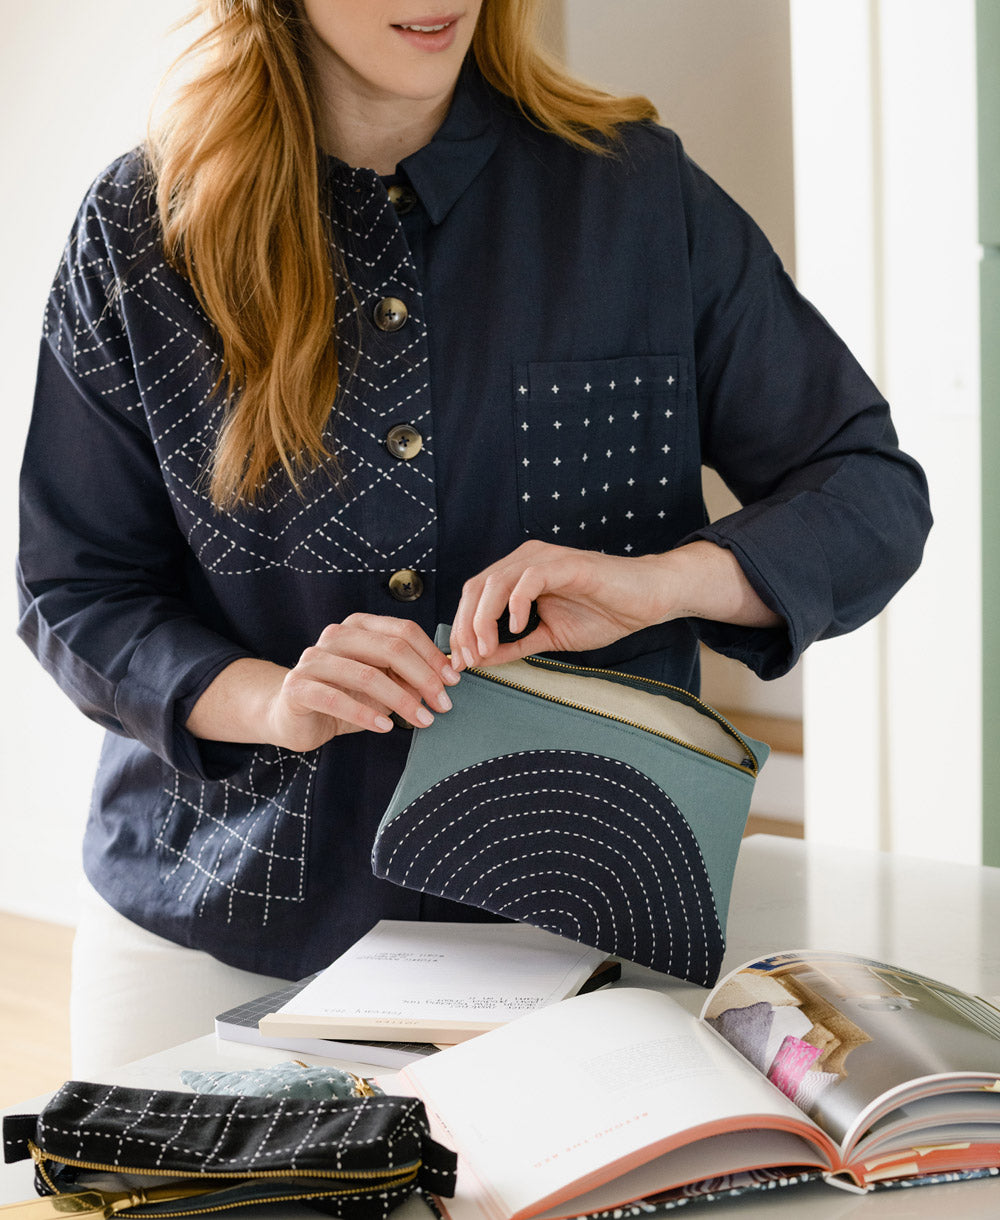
[407, 988]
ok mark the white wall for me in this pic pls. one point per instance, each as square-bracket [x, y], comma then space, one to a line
[885, 145]
[76, 81]
[719, 71]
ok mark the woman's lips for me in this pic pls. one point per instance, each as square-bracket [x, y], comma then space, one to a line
[429, 33]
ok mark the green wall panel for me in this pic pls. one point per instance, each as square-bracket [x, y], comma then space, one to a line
[988, 78]
[990, 321]
[988, 86]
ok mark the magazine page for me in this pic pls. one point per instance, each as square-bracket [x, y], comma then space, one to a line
[576, 1095]
[845, 1037]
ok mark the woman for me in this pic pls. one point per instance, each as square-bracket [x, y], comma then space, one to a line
[544, 319]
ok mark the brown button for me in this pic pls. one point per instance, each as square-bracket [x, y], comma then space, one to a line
[404, 442]
[403, 199]
[406, 585]
[390, 314]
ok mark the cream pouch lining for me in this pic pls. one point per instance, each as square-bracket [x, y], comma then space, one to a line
[660, 712]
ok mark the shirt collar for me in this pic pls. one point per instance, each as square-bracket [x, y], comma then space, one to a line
[441, 171]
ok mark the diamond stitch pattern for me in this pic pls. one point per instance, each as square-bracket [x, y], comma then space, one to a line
[246, 835]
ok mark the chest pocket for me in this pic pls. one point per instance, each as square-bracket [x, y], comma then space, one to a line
[598, 448]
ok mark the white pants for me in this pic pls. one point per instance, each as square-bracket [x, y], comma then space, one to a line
[134, 993]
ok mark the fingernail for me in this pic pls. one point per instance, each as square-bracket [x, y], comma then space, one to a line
[383, 724]
[470, 658]
[451, 676]
[443, 703]
[484, 648]
[424, 718]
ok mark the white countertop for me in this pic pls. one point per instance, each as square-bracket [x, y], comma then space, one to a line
[937, 918]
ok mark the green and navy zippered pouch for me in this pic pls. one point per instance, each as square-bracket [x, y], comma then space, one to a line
[602, 806]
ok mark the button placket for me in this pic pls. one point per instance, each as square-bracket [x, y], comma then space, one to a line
[387, 399]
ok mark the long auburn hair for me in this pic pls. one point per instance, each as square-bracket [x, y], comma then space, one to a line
[240, 209]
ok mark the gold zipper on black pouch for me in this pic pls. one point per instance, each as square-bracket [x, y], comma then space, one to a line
[108, 1203]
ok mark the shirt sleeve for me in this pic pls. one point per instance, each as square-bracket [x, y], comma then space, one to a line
[102, 565]
[834, 514]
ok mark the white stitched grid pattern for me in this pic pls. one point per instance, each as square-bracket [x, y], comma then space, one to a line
[583, 845]
[237, 847]
[246, 836]
[156, 1129]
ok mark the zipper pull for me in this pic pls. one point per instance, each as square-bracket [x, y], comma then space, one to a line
[49, 1207]
[362, 1088]
[106, 1203]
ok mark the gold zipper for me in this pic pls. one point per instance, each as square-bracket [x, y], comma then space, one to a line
[382, 1183]
[106, 1204]
[748, 766]
[384, 1176]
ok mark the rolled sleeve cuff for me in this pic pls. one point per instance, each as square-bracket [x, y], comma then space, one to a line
[167, 673]
[757, 545]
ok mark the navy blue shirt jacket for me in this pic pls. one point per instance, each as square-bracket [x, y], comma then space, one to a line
[568, 339]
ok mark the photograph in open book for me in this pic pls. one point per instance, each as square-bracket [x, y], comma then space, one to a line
[848, 1039]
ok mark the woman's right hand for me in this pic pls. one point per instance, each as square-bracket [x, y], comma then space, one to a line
[357, 673]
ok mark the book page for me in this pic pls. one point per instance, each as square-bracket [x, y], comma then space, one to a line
[949, 1118]
[842, 1035]
[442, 972]
[575, 1095]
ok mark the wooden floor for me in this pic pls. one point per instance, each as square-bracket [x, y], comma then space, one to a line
[759, 825]
[34, 1003]
[34, 996]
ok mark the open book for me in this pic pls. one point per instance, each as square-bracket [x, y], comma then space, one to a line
[803, 1061]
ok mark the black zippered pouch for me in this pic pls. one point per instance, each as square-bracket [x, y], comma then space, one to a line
[104, 1149]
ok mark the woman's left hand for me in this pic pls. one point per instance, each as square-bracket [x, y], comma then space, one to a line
[587, 599]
